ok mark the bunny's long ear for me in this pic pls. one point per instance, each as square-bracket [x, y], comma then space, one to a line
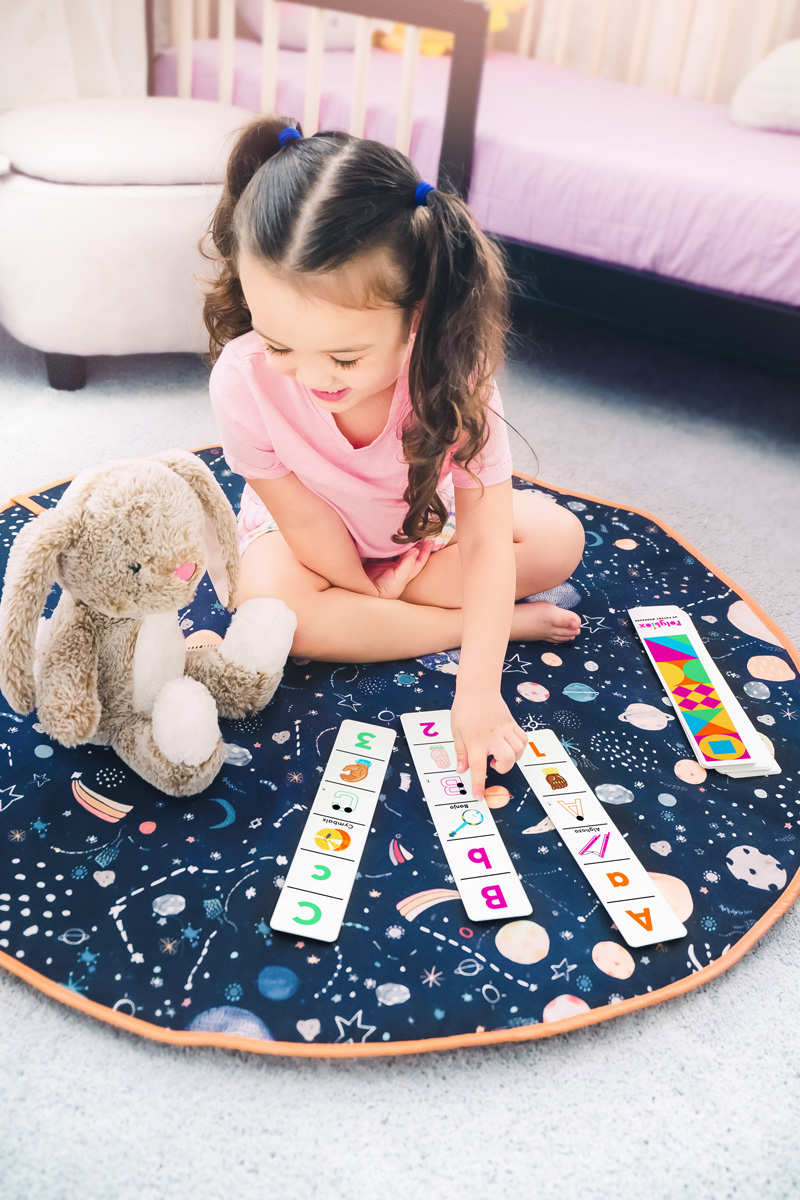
[221, 536]
[31, 572]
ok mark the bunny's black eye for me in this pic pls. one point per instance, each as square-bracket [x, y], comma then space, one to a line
[135, 567]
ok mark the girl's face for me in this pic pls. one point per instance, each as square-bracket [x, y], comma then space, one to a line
[324, 346]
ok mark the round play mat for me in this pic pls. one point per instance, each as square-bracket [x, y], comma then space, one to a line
[154, 913]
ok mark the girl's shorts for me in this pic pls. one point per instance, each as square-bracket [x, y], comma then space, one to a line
[255, 519]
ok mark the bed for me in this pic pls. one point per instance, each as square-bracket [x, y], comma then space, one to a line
[626, 202]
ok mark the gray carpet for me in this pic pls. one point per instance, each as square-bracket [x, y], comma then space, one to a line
[697, 1097]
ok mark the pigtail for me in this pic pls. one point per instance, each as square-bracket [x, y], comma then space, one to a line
[460, 343]
[327, 202]
[225, 310]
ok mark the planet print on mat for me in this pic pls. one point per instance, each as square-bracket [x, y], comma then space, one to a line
[158, 919]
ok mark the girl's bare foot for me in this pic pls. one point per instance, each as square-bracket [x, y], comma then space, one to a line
[540, 621]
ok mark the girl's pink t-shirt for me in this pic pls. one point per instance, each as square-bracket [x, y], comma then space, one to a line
[272, 426]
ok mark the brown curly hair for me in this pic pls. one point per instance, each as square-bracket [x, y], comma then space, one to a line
[311, 210]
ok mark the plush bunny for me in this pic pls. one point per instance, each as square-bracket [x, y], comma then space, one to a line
[128, 542]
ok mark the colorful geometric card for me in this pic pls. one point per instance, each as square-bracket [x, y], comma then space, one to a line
[720, 733]
[323, 869]
[626, 891]
[483, 872]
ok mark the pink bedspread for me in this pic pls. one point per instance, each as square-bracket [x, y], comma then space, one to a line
[574, 163]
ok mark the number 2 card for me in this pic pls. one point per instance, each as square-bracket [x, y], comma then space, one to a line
[482, 869]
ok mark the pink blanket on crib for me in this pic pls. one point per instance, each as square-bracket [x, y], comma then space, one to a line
[575, 163]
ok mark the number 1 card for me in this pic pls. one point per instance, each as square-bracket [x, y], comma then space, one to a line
[609, 865]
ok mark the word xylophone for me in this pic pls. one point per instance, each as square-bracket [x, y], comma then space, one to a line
[483, 872]
[627, 893]
[323, 869]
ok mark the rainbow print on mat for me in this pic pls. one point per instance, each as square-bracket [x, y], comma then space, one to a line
[693, 693]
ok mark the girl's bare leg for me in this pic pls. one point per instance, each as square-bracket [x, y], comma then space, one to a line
[335, 625]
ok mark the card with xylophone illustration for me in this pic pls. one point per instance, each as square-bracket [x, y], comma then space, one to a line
[626, 891]
[323, 869]
[722, 736]
[481, 866]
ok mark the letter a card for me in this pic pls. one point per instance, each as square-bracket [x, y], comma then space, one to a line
[322, 872]
[484, 874]
[627, 893]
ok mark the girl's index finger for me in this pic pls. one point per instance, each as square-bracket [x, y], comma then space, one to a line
[477, 767]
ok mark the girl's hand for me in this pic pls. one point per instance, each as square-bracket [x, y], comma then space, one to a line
[391, 579]
[482, 725]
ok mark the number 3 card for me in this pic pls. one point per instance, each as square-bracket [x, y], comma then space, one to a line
[322, 872]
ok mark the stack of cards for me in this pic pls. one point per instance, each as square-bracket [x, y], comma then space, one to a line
[322, 872]
[483, 872]
[627, 893]
[720, 733]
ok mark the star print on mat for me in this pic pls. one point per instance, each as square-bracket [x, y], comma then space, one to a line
[341, 1022]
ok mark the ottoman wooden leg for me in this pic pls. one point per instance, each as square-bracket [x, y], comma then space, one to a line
[67, 372]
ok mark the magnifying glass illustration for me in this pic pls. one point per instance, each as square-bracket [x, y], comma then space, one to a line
[470, 816]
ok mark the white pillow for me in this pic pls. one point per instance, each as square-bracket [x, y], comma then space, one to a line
[339, 29]
[769, 96]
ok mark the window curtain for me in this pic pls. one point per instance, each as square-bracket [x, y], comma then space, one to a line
[753, 23]
[59, 49]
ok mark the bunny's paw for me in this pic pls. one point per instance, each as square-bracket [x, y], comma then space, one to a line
[260, 636]
[185, 724]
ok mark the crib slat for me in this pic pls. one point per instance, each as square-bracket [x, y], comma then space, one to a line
[202, 18]
[680, 44]
[269, 56]
[600, 38]
[314, 47]
[408, 74]
[227, 32]
[541, 34]
[526, 29]
[720, 49]
[641, 37]
[358, 97]
[562, 34]
[182, 35]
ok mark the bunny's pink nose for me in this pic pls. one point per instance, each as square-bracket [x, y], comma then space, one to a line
[185, 571]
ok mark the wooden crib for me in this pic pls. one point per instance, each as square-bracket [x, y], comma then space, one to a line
[658, 64]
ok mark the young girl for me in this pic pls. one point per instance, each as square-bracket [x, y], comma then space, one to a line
[356, 320]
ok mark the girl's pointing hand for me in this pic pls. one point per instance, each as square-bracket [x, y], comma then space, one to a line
[484, 727]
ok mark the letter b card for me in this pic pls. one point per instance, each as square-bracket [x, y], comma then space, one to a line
[484, 874]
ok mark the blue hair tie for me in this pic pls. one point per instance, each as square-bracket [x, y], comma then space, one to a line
[420, 192]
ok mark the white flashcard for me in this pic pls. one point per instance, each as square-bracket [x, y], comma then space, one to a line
[722, 736]
[322, 872]
[483, 872]
[626, 891]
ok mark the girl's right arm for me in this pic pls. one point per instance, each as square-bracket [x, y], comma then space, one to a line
[314, 532]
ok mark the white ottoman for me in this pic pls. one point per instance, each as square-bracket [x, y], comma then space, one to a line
[102, 205]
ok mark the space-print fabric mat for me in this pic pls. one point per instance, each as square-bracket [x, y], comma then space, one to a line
[159, 921]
